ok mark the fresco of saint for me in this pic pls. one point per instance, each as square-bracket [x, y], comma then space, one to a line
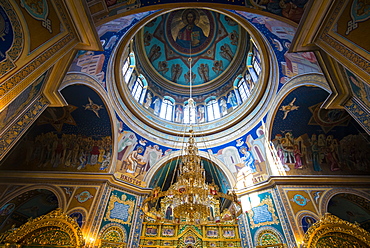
[190, 35]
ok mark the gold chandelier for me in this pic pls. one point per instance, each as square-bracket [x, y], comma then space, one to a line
[191, 200]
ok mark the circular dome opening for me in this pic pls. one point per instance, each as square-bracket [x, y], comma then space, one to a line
[197, 53]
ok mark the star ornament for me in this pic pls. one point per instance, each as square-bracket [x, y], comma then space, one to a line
[57, 117]
[93, 107]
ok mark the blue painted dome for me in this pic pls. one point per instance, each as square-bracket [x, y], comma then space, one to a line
[197, 40]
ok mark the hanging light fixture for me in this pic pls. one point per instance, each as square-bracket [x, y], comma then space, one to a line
[190, 200]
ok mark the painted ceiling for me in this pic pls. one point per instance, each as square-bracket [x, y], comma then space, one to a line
[207, 39]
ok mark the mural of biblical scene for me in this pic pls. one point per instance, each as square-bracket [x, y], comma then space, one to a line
[94, 63]
[136, 155]
[23, 100]
[352, 208]
[360, 89]
[210, 38]
[290, 9]
[245, 157]
[264, 224]
[323, 141]
[352, 24]
[118, 218]
[280, 36]
[30, 204]
[59, 141]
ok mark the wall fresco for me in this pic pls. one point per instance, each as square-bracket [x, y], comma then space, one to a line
[73, 138]
[213, 38]
[311, 140]
[360, 89]
[95, 63]
[352, 24]
[280, 36]
[352, 208]
[12, 39]
[43, 21]
[22, 101]
[290, 9]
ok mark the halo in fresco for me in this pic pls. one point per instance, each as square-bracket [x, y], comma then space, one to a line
[209, 38]
[190, 31]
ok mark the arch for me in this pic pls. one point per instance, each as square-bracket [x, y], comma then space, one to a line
[83, 213]
[153, 170]
[87, 80]
[57, 191]
[331, 193]
[112, 234]
[268, 236]
[332, 231]
[52, 229]
[313, 79]
[299, 219]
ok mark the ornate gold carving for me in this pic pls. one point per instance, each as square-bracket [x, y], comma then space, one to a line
[350, 54]
[114, 199]
[332, 231]
[12, 134]
[270, 208]
[114, 234]
[54, 228]
[210, 235]
[268, 237]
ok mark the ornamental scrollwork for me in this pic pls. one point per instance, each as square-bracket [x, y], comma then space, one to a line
[331, 230]
[119, 209]
[263, 214]
[54, 228]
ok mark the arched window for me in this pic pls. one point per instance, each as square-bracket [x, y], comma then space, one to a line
[189, 113]
[213, 109]
[254, 63]
[243, 89]
[128, 67]
[167, 108]
[137, 89]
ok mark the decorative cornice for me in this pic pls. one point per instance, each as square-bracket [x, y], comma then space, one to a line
[19, 126]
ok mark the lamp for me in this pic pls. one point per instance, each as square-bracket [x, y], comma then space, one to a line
[190, 200]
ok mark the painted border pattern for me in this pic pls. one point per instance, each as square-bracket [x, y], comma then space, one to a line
[16, 49]
[352, 56]
[15, 131]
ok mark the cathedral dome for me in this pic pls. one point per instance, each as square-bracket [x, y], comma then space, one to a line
[212, 57]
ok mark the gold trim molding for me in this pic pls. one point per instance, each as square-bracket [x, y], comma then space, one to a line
[333, 227]
[66, 230]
